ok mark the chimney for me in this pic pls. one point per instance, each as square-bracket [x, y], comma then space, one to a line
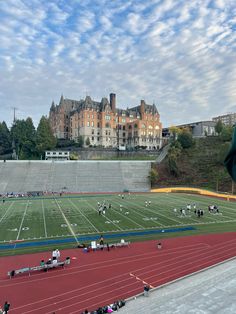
[142, 108]
[113, 102]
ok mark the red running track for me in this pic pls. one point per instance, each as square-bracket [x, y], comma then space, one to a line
[99, 278]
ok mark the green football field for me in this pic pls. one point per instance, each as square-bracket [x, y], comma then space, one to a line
[73, 216]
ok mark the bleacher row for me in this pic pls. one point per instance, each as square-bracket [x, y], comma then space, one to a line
[45, 267]
[74, 176]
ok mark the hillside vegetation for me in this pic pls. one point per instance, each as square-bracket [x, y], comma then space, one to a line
[201, 165]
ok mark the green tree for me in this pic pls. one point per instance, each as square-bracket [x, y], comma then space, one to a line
[185, 138]
[5, 138]
[174, 131]
[222, 152]
[219, 127]
[173, 155]
[153, 175]
[45, 139]
[87, 142]
[80, 142]
[226, 133]
[24, 136]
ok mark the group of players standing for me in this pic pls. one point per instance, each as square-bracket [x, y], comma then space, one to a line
[184, 212]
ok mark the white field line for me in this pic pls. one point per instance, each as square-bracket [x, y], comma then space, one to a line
[116, 225]
[44, 221]
[158, 214]
[144, 210]
[93, 288]
[124, 216]
[22, 220]
[67, 222]
[10, 206]
[194, 219]
[78, 210]
[205, 203]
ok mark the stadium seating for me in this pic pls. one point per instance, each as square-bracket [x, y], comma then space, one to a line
[74, 176]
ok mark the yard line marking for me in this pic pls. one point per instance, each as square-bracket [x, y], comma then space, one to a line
[67, 222]
[10, 206]
[77, 208]
[106, 217]
[132, 204]
[44, 221]
[158, 214]
[22, 220]
[118, 212]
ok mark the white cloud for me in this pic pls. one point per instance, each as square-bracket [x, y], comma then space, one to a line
[176, 53]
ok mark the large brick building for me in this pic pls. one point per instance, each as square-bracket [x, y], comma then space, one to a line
[105, 125]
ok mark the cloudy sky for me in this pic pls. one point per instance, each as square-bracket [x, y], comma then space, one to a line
[179, 54]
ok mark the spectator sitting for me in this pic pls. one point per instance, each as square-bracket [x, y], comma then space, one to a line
[42, 263]
[159, 245]
[146, 290]
[54, 261]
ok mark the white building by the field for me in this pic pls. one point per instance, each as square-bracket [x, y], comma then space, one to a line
[57, 155]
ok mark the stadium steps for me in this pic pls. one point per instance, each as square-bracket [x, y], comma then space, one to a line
[74, 176]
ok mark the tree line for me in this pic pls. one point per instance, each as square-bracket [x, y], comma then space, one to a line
[25, 140]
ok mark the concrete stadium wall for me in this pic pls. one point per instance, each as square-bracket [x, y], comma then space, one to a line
[74, 176]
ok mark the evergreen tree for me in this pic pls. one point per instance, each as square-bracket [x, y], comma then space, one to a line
[45, 139]
[23, 135]
[29, 149]
[80, 141]
[5, 138]
[219, 127]
[87, 142]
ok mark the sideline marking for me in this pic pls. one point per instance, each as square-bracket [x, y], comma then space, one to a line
[67, 222]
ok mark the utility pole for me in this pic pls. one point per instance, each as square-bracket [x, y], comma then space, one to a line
[14, 114]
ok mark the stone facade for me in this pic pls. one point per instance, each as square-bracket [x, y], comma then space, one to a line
[105, 125]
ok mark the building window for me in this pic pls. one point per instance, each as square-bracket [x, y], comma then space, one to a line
[92, 138]
[98, 125]
[88, 123]
[123, 127]
[107, 117]
[107, 125]
[123, 120]
[92, 131]
[92, 123]
[123, 134]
